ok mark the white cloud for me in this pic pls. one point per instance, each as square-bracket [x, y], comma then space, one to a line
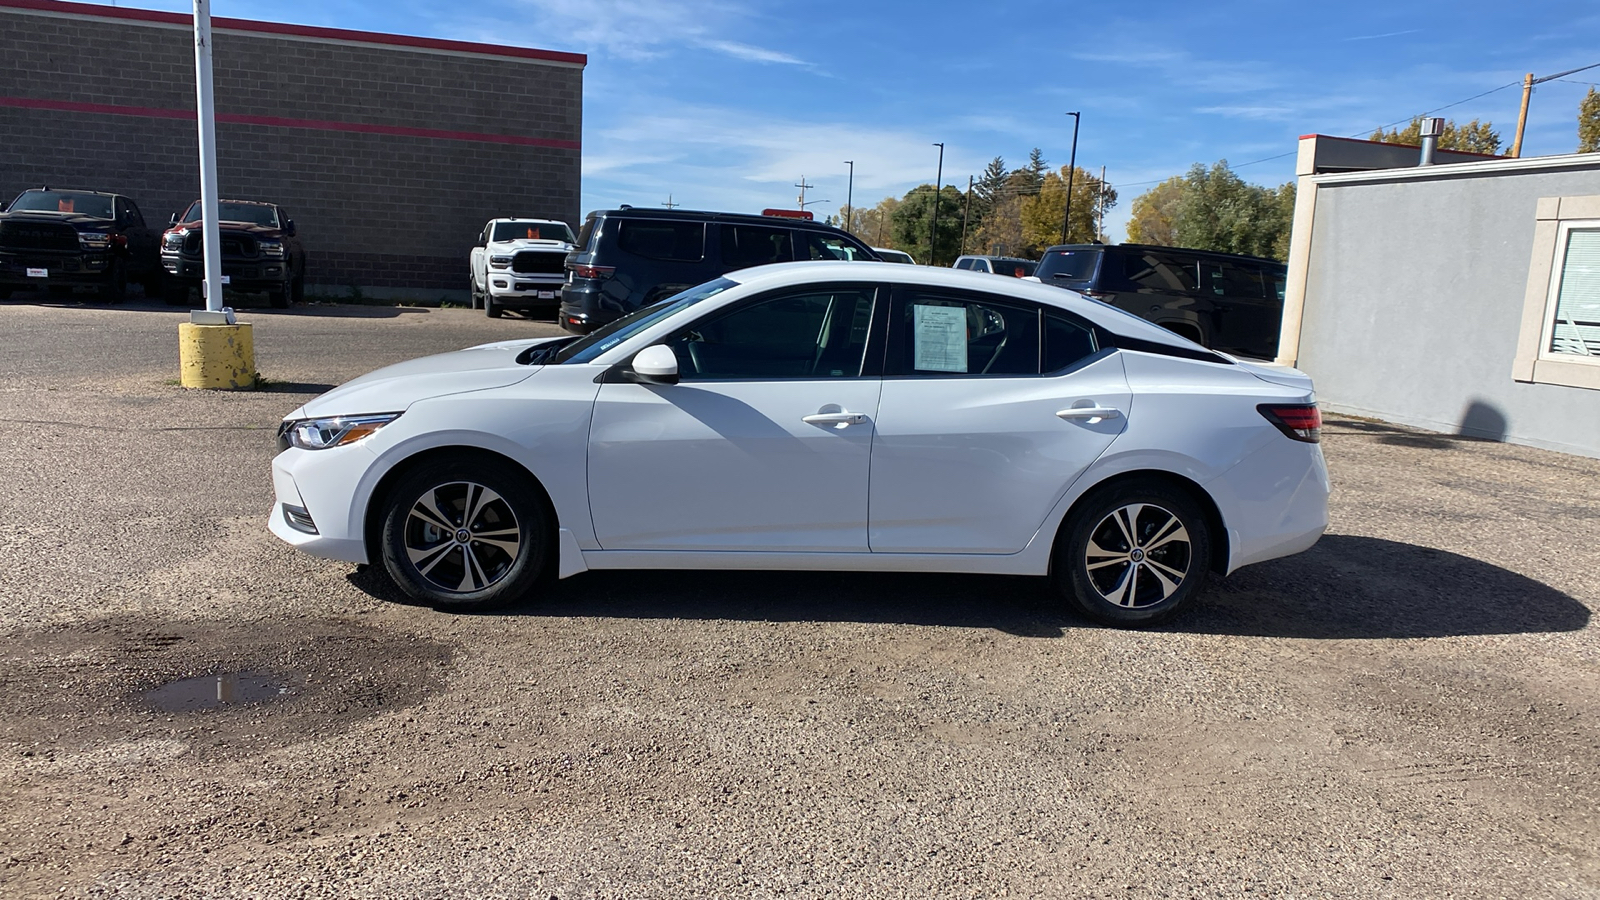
[753, 54]
[640, 29]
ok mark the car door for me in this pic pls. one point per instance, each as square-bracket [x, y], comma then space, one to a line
[765, 442]
[975, 446]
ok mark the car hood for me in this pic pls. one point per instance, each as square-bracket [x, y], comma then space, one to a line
[260, 231]
[394, 388]
[529, 244]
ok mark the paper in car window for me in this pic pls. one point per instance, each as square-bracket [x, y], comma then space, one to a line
[940, 333]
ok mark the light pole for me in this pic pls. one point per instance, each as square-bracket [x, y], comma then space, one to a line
[849, 193]
[933, 229]
[1072, 166]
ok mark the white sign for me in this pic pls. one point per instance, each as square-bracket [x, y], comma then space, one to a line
[940, 333]
[38, 273]
[226, 279]
[547, 295]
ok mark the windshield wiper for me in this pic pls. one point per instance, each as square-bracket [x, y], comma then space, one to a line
[539, 354]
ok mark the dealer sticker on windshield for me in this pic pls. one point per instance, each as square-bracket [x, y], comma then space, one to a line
[38, 273]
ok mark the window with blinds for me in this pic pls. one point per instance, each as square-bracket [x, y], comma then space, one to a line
[1575, 327]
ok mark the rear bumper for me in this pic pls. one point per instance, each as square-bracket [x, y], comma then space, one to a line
[1275, 502]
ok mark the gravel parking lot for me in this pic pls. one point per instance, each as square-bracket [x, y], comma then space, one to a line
[1407, 710]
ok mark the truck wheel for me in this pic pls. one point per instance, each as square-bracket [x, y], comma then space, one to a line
[297, 289]
[175, 292]
[279, 296]
[115, 288]
[472, 292]
[494, 312]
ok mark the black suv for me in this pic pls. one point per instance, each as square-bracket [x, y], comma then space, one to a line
[1218, 300]
[65, 239]
[627, 258]
[259, 252]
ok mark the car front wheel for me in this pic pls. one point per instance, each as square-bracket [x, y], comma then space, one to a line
[465, 533]
[1136, 553]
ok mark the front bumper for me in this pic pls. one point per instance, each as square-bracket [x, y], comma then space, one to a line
[37, 270]
[513, 291]
[247, 275]
[325, 492]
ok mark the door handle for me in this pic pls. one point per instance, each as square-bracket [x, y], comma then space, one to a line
[836, 419]
[1092, 413]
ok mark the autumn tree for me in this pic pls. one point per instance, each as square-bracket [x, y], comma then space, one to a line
[873, 225]
[1589, 123]
[912, 220]
[1155, 214]
[1473, 137]
[1043, 212]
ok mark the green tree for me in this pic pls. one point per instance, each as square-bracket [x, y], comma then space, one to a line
[1155, 214]
[1036, 168]
[1042, 213]
[1589, 123]
[911, 222]
[1219, 211]
[1473, 137]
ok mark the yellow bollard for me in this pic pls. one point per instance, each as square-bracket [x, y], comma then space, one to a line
[216, 357]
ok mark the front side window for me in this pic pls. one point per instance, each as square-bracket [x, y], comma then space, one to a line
[673, 241]
[815, 333]
[744, 246]
[937, 334]
[1574, 305]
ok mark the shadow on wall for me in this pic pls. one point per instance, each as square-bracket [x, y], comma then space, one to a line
[1345, 587]
[1483, 421]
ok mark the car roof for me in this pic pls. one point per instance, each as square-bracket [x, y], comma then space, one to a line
[68, 191]
[1106, 316]
[526, 219]
[1209, 254]
[699, 215]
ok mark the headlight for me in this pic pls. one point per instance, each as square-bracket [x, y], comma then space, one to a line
[499, 262]
[272, 248]
[172, 240]
[320, 434]
[94, 240]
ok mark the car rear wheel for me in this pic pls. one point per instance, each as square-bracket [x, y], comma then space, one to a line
[465, 534]
[1135, 553]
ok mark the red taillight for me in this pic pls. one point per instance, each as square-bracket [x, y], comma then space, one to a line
[1300, 422]
[592, 271]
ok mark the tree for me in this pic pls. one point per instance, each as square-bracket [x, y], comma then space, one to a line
[911, 222]
[1155, 214]
[1589, 123]
[1219, 211]
[1473, 137]
[873, 225]
[1042, 213]
[1036, 168]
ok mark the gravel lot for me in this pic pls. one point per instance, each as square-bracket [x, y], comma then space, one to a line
[1407, 710]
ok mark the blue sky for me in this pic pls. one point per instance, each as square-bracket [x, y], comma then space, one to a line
[726, 104]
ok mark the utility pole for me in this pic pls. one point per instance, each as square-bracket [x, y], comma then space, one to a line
[669, 204]
[1100, 226]
[966, 204]
[1072, 167]
[802, 186]
[1527, 94]
[933, 228]
[849, 193]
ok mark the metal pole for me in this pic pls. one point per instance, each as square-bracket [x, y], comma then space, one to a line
[849, 193]
[966, 204]
[211, 242]
[933, 228]
[1072, 166]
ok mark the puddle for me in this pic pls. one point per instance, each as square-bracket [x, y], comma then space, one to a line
[215, 691]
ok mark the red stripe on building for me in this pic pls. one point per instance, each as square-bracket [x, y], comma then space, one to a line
[311, 31]
[148, 112]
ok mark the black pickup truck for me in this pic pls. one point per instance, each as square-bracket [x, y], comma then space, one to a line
[260, 252]
[61, 240]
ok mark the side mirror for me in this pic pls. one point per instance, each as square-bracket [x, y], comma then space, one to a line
[656, 364]
[172, 219]
[288, 227]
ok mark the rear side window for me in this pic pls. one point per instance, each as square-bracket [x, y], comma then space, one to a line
[1160, 272]
[586, 234]
[1065, 342]
[1231, 280]
[675, 241]
[753, 245]
[822, 246]
[944, 335]
[1076, 266]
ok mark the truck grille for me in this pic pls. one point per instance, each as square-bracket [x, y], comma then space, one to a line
[537, 262]
[57, 236]
[234, 246]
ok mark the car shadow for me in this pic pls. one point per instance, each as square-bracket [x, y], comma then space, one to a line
[136, 302]
[1346, 587]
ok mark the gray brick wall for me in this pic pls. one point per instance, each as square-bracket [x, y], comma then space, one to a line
[373, 210]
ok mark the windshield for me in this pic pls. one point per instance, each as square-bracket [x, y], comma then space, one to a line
[534, 231]
[93, 205]
[607, 336]
[1068, 265]
[232, 211]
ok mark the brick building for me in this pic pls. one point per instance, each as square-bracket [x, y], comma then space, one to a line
[389, 151]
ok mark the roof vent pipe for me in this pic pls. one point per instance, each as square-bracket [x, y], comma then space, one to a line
[1431, 129]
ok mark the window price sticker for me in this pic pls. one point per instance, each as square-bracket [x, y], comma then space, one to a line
[940, 333]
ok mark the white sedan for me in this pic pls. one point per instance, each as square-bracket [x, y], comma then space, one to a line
[843, 416]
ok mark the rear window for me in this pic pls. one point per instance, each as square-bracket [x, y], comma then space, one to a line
[1016, 268]
[586, 235]
[1068, 265]
[753, 245]
[675, 241]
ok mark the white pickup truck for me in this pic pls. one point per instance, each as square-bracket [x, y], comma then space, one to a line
[520, 264]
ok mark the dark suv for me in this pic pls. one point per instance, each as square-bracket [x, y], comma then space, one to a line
[65, 239]
[627, 258]
[259, 252]
[1218, 300]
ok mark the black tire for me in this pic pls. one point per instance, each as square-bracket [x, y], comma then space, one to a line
[433, 566]
[154, 284]
[297, 289]
[279, 296]
[115, 287]
[1168, 557]
[489, 309]
[472, 291]
[175, 292]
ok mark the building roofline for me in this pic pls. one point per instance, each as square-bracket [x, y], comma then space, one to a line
[1505, 165]
[1334, 137]
[282, 29]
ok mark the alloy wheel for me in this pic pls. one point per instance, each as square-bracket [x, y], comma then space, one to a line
[1138, 555]
[462, 537]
